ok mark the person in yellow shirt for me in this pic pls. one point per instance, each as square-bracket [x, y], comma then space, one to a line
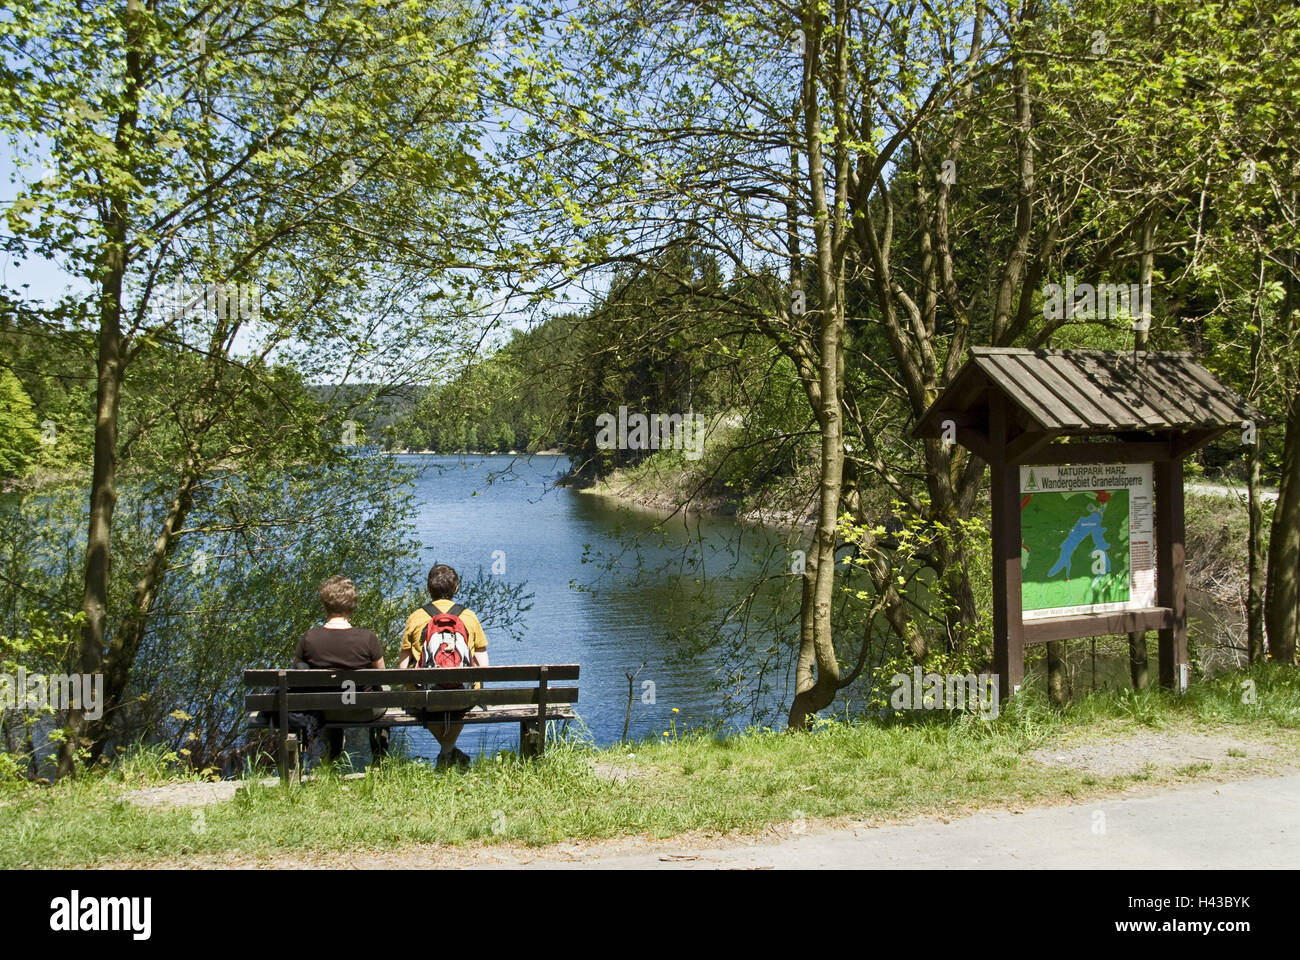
[443, 583]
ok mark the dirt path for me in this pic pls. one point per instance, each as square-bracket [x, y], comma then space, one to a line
[1234, 491]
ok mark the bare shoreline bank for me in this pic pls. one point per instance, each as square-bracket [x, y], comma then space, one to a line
[660, 501]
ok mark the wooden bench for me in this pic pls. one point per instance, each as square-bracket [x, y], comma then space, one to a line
[530, 702]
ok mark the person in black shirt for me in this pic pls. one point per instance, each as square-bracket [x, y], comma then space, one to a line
[337, 645]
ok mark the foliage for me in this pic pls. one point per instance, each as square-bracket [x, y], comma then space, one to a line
[40, 646]
[238, 595]
[903, 548]
[506, 401]
[19, 436]
[773, 237]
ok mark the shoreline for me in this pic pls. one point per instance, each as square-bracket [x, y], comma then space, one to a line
[654, 500]
[474, 453]
[659, 500]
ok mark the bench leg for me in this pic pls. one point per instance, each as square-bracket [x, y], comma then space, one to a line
[532, 740]
[290, 759]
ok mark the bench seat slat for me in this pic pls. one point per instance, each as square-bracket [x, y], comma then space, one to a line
[397, 717]
[326, 678]
[427, 699]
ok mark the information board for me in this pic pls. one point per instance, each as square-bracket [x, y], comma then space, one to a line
[1087, 540]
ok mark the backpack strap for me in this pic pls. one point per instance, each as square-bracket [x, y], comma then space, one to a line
[455, 610]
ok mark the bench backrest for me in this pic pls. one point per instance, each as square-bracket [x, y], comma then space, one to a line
[340, 689]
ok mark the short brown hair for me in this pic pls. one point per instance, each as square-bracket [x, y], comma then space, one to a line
[443, 582]
[339, 595]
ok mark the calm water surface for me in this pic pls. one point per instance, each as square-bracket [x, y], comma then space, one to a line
[608, 590]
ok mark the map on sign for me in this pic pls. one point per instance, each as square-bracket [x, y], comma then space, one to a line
[1086, 543]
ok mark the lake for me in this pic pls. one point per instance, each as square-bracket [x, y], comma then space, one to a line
[609, 592]
[613, 583]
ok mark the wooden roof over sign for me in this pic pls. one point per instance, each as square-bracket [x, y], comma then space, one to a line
[1081, 392]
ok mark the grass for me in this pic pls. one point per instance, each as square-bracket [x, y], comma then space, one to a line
[746, 782]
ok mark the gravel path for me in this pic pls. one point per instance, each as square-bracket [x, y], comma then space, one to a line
[1242, 825]
[200, 794]
[1135, 754]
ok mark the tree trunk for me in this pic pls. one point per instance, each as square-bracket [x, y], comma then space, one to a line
[1282, 606]
[130, 636]
[1137, 660]
[109, 373]
[1282, 602]
[961, 613]
[103, 497]
[816, 645]
[1137, 641]
[1255, 550]
[1255, 635]
[1056, 674]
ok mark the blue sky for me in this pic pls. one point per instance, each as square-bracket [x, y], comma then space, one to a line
[47, 281]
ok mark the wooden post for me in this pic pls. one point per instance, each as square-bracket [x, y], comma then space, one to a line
[293, 761]
[284, 726]
[1171, 573]
[541, 711]
[532, 733]
[531, 738]
[1008, 625]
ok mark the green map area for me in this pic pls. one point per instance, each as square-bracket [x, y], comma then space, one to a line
[1059, 533]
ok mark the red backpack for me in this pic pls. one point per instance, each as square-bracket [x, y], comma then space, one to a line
[446, 641]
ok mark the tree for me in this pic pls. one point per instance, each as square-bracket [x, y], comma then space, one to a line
[306, 152]
[863, 150]
[868, 109]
